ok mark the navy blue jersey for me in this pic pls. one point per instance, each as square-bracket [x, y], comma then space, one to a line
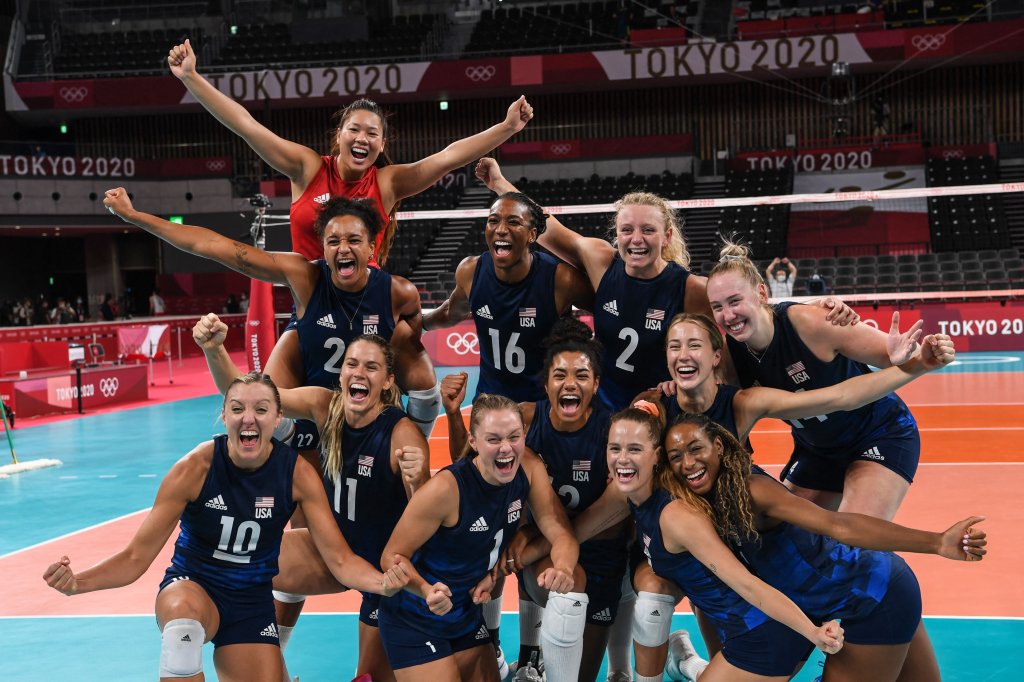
[231, 534]
[788, 364]
[730, 613]
[631, 319]
[576, 460]
[511, 322]
[334, 317]
[460, 556]
[368, 497]
[824, 577]
[721, 410]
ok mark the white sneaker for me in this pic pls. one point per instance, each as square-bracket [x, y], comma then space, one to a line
[684, 663]
[503, 670]
[527, 674]
[620, 676]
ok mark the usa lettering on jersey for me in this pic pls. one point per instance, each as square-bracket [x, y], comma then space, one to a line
[653, 319]
[798, 373]
[581, 470]
[370, 324]
[515, 510]
[264, 507]
[527, 317]
[365, 465]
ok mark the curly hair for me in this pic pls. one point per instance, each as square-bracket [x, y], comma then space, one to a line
[338, 206]
[729, 507]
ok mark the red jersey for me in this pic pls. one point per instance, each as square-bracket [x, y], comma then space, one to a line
[328, 183]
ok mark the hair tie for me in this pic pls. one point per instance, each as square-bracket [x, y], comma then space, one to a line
[729, 257]
[648, 407]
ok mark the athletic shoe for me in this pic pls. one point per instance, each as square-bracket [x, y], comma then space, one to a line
[527, 674]
[503, 671]
[684, 663]
[620, 676]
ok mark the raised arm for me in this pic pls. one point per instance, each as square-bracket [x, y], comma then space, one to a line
[554, 524]
[405, 180]
[410, 455]
[592, 256]
[350, 569]
[683, 528]
[299, 163]
[279, 268]
[453, 392]
[935, 351]
[181, 485]
[960, 542]
[861, 342]
[456, 307]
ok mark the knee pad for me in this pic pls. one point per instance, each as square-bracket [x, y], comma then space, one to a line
[181, 648]
[564, 618]
[652, 618]
[423, 406]
[285, 430]
[288, 597]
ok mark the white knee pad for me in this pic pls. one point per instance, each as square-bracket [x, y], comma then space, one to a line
[181, 648]
[288, 597]
[652, 618]
[564, 618]
[423, 407]
[285, 430]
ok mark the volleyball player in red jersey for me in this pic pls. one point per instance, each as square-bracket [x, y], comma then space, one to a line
[359, 141]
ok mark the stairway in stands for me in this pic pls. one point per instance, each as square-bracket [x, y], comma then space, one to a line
[700, 226]
[439, 258]
[1012, 170]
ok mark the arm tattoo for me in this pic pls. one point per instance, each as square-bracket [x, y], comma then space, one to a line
[713, 568]
[242, 259]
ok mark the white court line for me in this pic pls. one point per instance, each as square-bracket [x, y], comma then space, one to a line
[107, 476]
[74, 532]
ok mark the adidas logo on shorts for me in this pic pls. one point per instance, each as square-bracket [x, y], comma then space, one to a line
[327, 321]
[269, 631]
[373, 614]
[481, 633]
[217, 503]
[479, 525]
[603, 614]
[611, 307]
[485, 313]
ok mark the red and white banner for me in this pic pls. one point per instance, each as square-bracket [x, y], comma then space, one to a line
[670, 145]
[101, 387]
[859, 222]
[973, 325]
[654, 65]
[148, 341]
[260, 330]
[454, 347]
[23, 165]
[831, 159]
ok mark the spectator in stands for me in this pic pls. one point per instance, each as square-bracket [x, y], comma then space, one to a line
[781, 274]
[157, 306]
[243, 303]
[42, 311]
[881, 112]
[63, 313]
[231, 305]
[817, 285]
[108, 309]
[82, 307]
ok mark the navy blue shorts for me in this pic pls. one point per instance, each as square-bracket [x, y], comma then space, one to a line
[246, 615]
[897, 616]
[900, 453]
[369, 609]
[769, 649]
[406, 646]
[604, 562]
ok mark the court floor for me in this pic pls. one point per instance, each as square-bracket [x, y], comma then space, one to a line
[972, 423]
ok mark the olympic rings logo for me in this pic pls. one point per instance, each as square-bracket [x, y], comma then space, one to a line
[953, 154]
[561, 149]
[480, 73]
[463, 344]
[254, 323]
[216, 165]
[74, 94]
[923, 43]
[108, 386]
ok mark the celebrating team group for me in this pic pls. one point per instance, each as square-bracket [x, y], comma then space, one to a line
[611, 470]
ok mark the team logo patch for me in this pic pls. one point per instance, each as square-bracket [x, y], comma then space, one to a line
[323, 198]
[264, 507]
[798, 373]
[365, 464]
[327, 321]
[527, 317]
[370, 323]
[485, 313]
[654, 318]
[479, 526]
[514, 511]
[217, 503]
[611, 307]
